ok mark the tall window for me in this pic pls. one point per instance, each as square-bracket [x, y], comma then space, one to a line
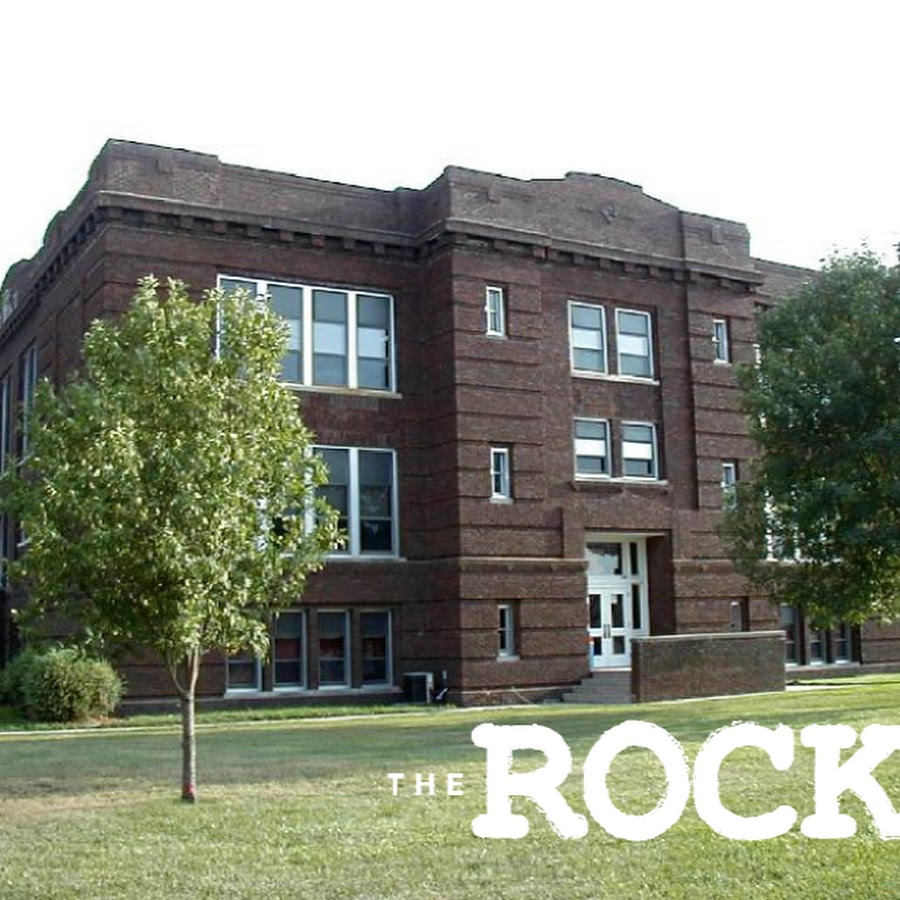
[336, 338]
[373, 341]
[639, 457]
[376, 646]
[592, 456]
[287, 301]
[721, 348]
[330, 337]
[729, 483]
[506, 630]
[634, 340]
[27, 384]
[501, 485]
[334, 650]
[288, 650]
[361, 487]
[495, 312]
[587, 338]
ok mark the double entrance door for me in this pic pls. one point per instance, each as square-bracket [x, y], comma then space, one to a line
[617, 603]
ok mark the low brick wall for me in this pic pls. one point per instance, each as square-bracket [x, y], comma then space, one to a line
[669, 667]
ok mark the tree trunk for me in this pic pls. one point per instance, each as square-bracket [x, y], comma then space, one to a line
[188, 732]
[188, 748]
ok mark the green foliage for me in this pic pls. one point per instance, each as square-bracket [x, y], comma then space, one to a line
[153, 480]
[63, 685]
[13, 677]
[824, 497]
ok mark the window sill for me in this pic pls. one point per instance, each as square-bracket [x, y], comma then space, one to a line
[722, 362]
[508, 657]
[595, 484]
[342, 391]
[622, 379]
[367, 558]
[496, 334]
[502, 501]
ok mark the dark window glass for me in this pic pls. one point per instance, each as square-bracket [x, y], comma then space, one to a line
[288, 649]
[375, 628]
[288, 303]
[375, 501]
[373, 330]
[332, 648]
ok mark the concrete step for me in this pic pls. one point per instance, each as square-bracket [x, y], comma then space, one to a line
[612, 687]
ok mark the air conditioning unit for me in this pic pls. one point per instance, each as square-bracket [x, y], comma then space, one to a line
[418, 687]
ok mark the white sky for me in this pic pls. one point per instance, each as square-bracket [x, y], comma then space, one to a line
[782, 115]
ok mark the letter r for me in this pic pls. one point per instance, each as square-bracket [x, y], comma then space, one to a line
[540, 785]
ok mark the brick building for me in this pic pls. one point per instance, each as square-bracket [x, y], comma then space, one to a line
[524, 391]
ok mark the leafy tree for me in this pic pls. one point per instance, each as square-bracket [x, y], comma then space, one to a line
[166, 491]
[818, 523]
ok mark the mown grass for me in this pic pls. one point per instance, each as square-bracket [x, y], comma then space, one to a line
[12, 720]
[304, 809]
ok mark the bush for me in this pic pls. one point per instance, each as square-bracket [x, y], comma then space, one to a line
[13, 678]
[63, 685]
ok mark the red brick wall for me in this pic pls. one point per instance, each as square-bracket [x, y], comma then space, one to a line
[668, 668]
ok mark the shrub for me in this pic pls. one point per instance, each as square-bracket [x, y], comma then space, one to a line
[13, 678]
[63, 685]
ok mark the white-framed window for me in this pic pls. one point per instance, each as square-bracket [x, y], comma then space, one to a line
[336, 337]
[639, 456]
[506, 630]
[362, 487]
[501, 479]
[729, 482]
[634, 342]
[334, 648]
[289, 650]
[27, 384]
[592, 452]
[721, 345]
[377, 666]
[587, 338]
[495, 311]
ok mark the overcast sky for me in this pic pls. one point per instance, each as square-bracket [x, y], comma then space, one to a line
[782, 115]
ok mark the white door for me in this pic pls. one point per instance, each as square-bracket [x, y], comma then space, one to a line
[609, 628]
[617, 599]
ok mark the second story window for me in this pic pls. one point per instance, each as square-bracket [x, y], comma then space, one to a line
[592, 457]
[634, 342]
[495, 312]
[336, 338]
[639, 458]
[721, 348]
[501, 485]
[729, 483]
[361, 487]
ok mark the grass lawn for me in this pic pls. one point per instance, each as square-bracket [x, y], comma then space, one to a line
[304, 809]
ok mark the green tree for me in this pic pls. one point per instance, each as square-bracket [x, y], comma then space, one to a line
[168, 489]
[818, 522]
